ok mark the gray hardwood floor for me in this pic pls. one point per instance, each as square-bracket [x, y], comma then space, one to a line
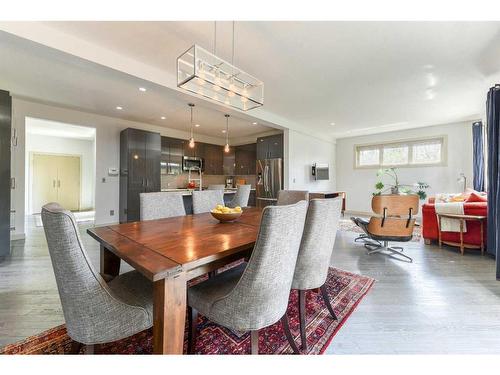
[441, 303]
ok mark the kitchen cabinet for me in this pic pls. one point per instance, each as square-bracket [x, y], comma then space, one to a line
[140, 155]
[270, 147]
[5, 176]
[197, 151]
[213, 159]
[172, 151]
[245, 158]
[228, 162]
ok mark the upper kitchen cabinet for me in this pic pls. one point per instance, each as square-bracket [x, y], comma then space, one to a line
[245, 158]
[213, 159]
[197, 151]
[172, 150]
[140, 155]
[270, 147]
[228, 162]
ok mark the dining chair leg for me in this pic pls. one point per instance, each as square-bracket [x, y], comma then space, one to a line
[192, 333]
[328, 304]
[75, 347]
[288, 334]
[254, 339]
[91, 349]
[302, 319]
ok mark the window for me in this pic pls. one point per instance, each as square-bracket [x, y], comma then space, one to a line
[405, 153]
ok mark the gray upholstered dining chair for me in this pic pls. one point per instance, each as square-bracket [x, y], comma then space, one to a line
[291, 196]
[161, 205]
[241, 197]
[206, 200]
[216, 187]
[256, 296]
[95, 312]
[316, 249]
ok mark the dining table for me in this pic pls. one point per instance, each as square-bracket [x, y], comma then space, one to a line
[170, 252]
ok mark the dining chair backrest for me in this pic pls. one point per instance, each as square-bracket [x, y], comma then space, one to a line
[91, 311]
[206, 200]
[215, 187]
[317, 243]
[241, 197]
[291, 196]
[261, 296]
[161, 205]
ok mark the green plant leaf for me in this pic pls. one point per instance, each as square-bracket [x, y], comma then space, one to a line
[379, 185]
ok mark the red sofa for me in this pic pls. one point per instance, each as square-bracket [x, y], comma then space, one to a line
[473, 234]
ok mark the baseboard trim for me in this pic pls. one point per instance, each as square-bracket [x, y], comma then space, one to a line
[17, 237]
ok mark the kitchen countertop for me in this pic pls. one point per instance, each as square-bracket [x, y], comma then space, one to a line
[190, 191]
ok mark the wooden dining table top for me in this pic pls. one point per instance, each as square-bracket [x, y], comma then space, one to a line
[158, 248]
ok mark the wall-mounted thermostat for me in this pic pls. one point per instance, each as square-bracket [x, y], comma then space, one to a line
[113, 172]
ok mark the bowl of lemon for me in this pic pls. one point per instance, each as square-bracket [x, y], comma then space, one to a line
[225, 214]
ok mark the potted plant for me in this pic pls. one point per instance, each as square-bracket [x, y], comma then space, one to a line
[395, 187]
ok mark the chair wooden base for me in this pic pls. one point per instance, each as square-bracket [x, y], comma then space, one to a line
[87, 349]
[254, 335]
[302, 312]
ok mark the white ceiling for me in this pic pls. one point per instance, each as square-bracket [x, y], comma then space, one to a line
[31, 70]
[57, 129]
[365, 77]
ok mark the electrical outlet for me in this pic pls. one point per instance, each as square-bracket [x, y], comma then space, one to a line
[111, 212]
[104, 179]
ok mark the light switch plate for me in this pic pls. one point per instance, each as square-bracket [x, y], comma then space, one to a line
[113, 172]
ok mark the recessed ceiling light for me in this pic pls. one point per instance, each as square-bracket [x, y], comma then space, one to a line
[224, 131]
[197, 125]
[254, 123]
[332, 123]
[163, 117]
[119, 108]
[143, 89]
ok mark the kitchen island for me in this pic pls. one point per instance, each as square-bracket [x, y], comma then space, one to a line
[228, 196]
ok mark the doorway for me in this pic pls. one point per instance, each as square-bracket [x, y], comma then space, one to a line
[60, 167]
[56, 178]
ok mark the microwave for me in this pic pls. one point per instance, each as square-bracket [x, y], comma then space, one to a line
[192, 163]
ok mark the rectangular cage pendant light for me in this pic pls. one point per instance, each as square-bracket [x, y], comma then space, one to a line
[203, 73]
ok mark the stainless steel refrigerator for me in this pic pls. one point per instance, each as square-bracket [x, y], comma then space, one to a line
[269, 181]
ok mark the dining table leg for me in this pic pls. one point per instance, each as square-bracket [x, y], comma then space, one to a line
[169, 314]
[110, 263]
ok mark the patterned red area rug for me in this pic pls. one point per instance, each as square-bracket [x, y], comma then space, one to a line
[345, 289]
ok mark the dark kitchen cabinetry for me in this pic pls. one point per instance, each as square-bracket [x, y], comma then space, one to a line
[228, 162]
[5, 176]
[140, 154]
[197, 151]
[213, 159]
[172, 151]
[245, 157]
[270, 147]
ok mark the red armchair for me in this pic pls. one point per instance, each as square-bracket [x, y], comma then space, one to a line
[473, 234]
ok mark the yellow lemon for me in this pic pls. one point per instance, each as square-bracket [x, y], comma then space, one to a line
[219, 207]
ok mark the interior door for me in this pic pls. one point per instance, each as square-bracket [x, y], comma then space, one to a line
[56, 178]
[44, 181]
[68, 182]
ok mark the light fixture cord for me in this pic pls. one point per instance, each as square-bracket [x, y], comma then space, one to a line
[191, 121]
[227, 130]
[215, 37]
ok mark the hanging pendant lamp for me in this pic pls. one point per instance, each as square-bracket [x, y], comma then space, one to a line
[191, 139]
[226, 147]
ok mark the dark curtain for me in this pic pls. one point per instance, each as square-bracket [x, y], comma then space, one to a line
[478, 155]
[493, 128]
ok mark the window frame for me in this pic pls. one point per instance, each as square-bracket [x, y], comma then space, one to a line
[442, 139]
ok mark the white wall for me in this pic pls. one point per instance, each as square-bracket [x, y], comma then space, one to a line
[107, 153]
[302, 152]
[65, 146]
[359, 183]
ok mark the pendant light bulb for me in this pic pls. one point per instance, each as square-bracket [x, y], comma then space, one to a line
[226, 147]
[191, 140]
